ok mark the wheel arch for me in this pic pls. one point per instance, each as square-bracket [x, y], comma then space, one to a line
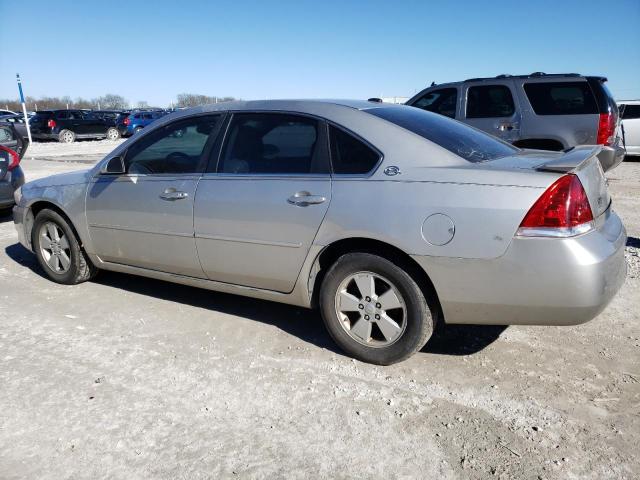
[330, 254]
[39, 205]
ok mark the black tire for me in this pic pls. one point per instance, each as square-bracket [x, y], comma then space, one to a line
[137, 130]
[419, 319]
[66, 136]
[113, 134]
[81, 269]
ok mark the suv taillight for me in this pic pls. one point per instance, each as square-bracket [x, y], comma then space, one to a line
[606, 128]
[14, 158]
[563, 210]
[51, 123]
[126, 121]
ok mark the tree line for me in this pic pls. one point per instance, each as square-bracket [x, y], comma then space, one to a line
[106, 102]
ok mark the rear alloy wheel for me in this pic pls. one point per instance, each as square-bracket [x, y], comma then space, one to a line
[374, 310]
[113, 134]
[58, 250]
[66, 136]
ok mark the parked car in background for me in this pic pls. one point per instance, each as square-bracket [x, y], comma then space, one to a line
[389, 218]
[12, 149]
[537, 111]
[630, 114]
[7, 112]
[68, 125]
[18, 123]
[132, 122]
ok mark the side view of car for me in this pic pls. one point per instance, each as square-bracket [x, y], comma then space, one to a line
[388, 218]
[12, 148]
[538, 111]
[132, 122]
[68, 125]
[630, 114]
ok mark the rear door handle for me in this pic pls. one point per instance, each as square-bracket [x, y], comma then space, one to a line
[304, 199]
[171, 195]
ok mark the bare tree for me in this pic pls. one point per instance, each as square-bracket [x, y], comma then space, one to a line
[195, 99]
[112, 102]
[142, 104]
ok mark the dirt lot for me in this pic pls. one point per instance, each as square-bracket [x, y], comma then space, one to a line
[125, 377]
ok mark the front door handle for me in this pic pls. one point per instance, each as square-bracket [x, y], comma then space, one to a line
[304, 199]
[171, 194]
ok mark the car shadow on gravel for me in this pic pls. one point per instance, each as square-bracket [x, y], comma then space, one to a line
[300, 322]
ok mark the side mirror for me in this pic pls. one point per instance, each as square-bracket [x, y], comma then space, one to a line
[113, 166]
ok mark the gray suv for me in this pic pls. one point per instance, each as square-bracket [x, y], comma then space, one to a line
[537, 111]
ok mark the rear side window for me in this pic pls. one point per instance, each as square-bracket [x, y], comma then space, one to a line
[276, 144]
[630, 112]
[489, 101]
[561, 98]
[466, 142]
[349, 155]
[441, 101]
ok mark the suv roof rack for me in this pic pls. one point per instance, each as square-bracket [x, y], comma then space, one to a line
[531, 75]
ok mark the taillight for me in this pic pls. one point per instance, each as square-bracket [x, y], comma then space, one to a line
[126, 121]
[14, 158]
[606, 128]
[563, 210]
[51, 123]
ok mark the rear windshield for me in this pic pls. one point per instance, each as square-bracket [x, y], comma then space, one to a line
[466, 142]
[561, 98]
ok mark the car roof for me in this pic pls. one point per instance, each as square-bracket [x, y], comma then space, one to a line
[628, 102]
[295, 105]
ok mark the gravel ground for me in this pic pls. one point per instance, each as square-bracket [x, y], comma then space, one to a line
[125, 377]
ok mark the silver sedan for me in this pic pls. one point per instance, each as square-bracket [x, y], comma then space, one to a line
[388, 218]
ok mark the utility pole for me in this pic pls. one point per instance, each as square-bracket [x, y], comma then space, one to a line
[24, 108]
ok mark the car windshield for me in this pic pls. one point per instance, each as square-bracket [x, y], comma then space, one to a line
[466, 142]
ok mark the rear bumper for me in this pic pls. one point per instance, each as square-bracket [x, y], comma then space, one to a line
[8, 185]
[538, 281]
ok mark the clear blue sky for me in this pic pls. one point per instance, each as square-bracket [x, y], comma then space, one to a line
[153, 50]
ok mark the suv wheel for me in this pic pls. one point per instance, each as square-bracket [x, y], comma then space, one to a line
[137, 130]
[113, 134]
[66, 136]
[374, 310]
[58, 250]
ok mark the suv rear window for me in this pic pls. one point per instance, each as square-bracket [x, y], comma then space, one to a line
[561, 98]
[466, 142]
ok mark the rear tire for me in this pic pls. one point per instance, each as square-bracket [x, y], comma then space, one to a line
[113, 134]
[58, 250]
[137, 130]
[66, 136]
[374, 310]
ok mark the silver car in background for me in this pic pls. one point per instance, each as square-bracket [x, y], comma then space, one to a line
[388, 218]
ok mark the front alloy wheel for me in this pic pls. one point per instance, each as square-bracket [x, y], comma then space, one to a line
[54, 247]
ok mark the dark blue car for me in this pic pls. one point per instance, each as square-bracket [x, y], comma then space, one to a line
[132, 122]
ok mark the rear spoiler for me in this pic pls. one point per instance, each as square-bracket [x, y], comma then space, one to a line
[575, 157]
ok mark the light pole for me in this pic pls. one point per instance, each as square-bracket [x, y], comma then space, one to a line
[24, 108]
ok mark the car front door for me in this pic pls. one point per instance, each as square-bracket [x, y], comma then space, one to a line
[144, 217]
[258, 212]
[493, 108]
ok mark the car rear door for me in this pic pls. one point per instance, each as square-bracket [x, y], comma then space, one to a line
[492, 107]
[144, 217]
[257, 214]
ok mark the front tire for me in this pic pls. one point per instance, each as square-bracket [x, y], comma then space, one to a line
[374, 310]
[66, 136]
[113, 134]
[58, 250]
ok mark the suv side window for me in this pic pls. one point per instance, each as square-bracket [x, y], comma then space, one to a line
[441, 101]
[147, 116]
[63, 115]
[349, 155]
[561, 98]
[489, 101]
[175, 148]
[273, 143]
[630, 112]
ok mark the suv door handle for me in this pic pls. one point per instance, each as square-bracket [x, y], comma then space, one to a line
[304, 199]
[171, 195]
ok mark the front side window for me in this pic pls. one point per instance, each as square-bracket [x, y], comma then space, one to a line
[489, 101]
[175, 148]
[441, 101]
[630, 111]
[561, 98]
[350, 156]
[272, 143]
